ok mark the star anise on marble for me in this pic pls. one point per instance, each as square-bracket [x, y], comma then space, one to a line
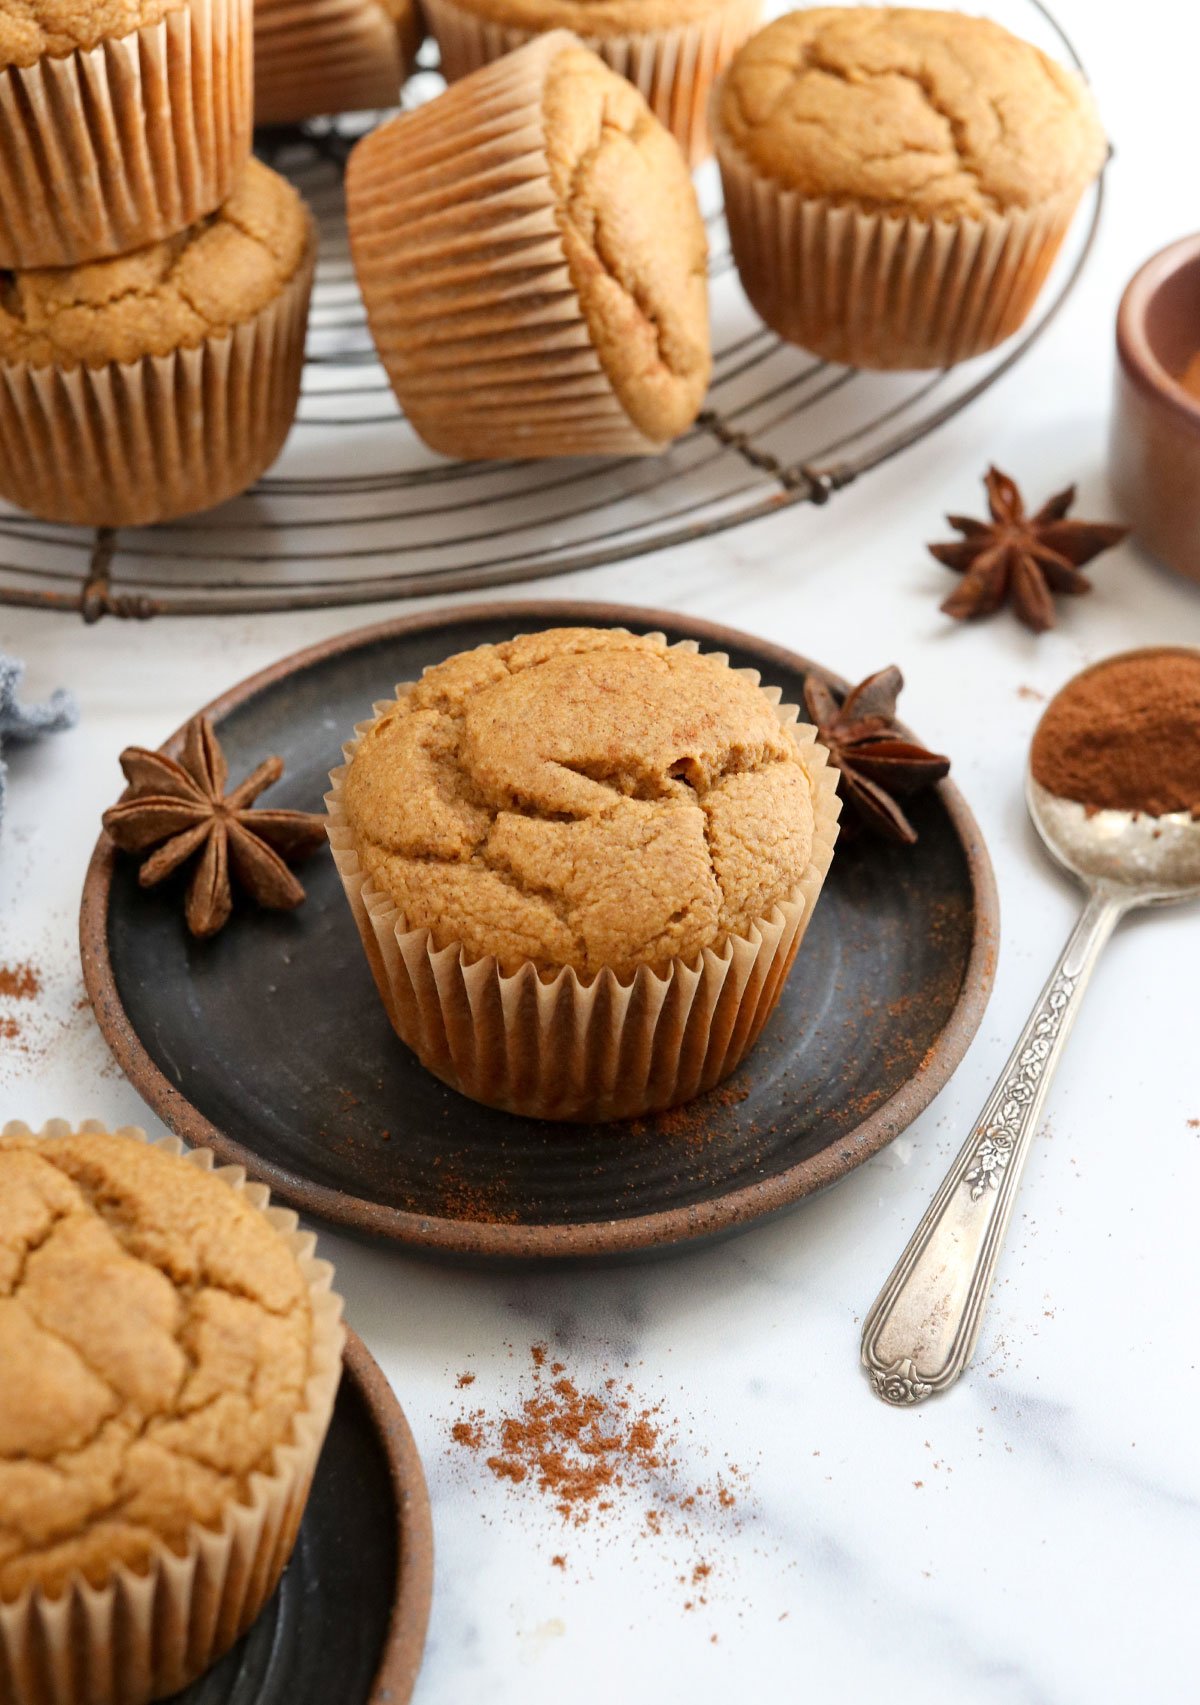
[876, 761]
[1018, 558]
[182, 809]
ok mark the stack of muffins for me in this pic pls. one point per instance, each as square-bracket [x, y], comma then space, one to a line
[154, 296]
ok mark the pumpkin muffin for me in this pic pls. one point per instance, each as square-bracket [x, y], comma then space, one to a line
[120, 123]
[581, 863]
[160, 382]
[534, 263]
[171, 1353]
[313, 57]
[898, 182]
[671, 50]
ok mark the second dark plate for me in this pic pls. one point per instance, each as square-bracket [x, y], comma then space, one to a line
[347, 1621]
[269, 1045]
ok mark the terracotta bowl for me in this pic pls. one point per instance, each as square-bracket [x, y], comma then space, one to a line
[1154, 451]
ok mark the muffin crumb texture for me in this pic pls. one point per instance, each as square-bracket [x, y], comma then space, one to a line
[31, 29]
[635, 242]
[582, 798]
[155, 1342]
[170, 295]
[912, 112]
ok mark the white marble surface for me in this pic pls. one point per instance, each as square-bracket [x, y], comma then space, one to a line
[1031, 1537]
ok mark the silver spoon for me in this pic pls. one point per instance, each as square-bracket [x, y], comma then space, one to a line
[921, 1329]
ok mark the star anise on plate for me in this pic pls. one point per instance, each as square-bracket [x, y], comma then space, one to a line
[1018, 558]
[182, 809]
[875, 759]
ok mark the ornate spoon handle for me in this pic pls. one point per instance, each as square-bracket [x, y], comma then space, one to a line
[921, 1329]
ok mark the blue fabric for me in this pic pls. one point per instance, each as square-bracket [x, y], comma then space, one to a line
[26, 722]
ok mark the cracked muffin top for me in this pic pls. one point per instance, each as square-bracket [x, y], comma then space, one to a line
[30, 29]
[171, 295]
[155, 1342]
[635, 242]
[931, 114]
[582, 798]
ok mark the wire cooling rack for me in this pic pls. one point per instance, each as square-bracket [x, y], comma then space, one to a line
[356, 509]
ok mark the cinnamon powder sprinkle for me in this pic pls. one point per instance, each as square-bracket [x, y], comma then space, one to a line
[19, 982]
[589, 1452]
[575, 1445]
[462, 1199]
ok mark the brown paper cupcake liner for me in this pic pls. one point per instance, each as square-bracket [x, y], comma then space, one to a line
[146, 1634]
[328, 56]
[105, 151]
[674, 69]
[557, 1047]
[881, 292]
[465, 279]
[141, 441]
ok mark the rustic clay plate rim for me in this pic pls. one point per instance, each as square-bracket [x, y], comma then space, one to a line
[404, 1643]
[667, 1227]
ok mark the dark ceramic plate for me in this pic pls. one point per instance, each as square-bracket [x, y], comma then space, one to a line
[269, 1043]
[347, 1621]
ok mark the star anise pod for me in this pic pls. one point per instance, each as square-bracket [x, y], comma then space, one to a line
[183, 809]
[1019, 558]
[876, 761]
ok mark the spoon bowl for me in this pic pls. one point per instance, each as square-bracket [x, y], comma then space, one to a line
[1138, 859]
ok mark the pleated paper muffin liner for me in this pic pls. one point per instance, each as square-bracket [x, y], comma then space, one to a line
[556, 1047]
[674, 68]
[329, 56]
[107, 150]
[140, 441]
[879, 291]
[148, 1633]
[463, 271]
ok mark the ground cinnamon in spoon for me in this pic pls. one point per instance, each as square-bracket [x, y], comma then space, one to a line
[1125, 734]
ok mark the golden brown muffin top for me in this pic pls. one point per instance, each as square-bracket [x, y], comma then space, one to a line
[169, 296]
[30, 29]
[155, 1341]
[634, 239]
[581, 797]
[593, 18]
[903, 111]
